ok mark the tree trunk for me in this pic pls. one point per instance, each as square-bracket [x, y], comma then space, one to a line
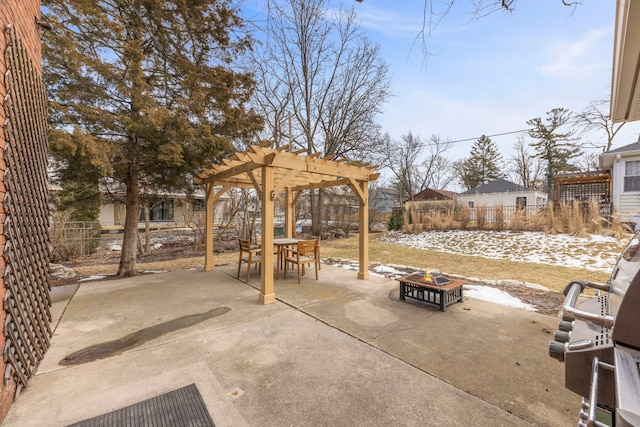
[316, 220]
[130, 237]
[147, 230]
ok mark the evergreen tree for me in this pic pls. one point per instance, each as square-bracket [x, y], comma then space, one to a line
[553, 147]
[146, 90]
[77, 178]
[484, 164]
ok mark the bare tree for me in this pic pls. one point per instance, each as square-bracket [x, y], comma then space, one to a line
[526, 167]
[587, 162]
[413, 172]
[325, 72]
[596, 118]
[321, 67]
[438, 170]
[272, 97]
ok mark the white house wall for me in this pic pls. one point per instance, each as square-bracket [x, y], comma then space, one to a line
[627, 204]
[629, 207]
[107, 214]
[109, 220]
[495, 199]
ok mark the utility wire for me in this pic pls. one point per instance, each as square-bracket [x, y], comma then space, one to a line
[427, 144]
[489, 136]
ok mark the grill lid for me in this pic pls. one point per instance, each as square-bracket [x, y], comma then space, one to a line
[626, 329]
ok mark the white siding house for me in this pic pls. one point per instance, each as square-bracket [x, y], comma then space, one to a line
[167, 210]
[502, 193]
[624, 164]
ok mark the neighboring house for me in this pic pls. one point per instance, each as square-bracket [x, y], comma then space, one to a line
[384, 200]
[624, 164]
[430, 198]
[502, 193]
[167, 210]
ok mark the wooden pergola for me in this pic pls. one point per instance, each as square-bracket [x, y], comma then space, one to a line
[283, 175]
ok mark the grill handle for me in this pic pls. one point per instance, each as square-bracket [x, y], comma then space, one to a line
[592, 405]
[573, 291]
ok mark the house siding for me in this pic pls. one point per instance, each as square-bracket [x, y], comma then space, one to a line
[626, 204]
[504, 199]
[629, 207]
[184, 215]
[508, 199]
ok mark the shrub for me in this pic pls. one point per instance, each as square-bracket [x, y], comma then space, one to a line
[70, 239]
[396, 220]
[595, 221]
[618, 228]
[464, 216]
[498, 220]
[518, 220]
[481, 217]
[576, 224]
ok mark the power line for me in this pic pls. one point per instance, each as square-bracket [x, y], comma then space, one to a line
[489, 136]
[569, 122]
[427, 144]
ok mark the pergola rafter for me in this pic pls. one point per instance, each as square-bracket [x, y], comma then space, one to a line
[283, 175]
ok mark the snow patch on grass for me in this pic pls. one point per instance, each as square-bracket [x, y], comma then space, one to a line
[595, 252]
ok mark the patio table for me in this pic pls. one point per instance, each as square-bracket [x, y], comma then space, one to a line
[280, 244]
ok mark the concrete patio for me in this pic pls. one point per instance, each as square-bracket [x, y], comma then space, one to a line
[338, 351]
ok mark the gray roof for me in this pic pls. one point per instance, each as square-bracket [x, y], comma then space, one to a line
[498, 186]
[635, 146]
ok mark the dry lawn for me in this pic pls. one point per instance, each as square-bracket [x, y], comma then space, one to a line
[552, 277]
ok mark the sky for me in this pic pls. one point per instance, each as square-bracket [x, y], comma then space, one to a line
[490, 75]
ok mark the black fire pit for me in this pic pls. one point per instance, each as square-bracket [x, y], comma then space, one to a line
[440, 290]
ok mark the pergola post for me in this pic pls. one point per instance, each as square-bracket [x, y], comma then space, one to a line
[363, 230]
[267, 295]
[289, 214]
[208, 227]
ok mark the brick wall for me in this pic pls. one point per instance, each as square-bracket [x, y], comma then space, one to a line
[22, 14]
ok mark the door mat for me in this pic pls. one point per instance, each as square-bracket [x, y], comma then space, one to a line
[183, 407]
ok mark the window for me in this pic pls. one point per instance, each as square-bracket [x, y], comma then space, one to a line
[471, 204]
[160, 211]
[632, 176]
[521, 202]
[197, 204]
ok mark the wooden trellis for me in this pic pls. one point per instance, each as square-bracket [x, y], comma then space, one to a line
[283, 175]
[25, 220]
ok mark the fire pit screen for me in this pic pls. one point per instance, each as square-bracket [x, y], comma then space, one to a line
[429, 279]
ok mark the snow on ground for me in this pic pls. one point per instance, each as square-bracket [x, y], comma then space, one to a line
[495, 296]
[91, 278]
[595, 252]
[485, 293]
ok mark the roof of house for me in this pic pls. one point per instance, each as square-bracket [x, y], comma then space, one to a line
[498, 186]
[635, 146]
[432, 194]
[606, 159]
[387, 191]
